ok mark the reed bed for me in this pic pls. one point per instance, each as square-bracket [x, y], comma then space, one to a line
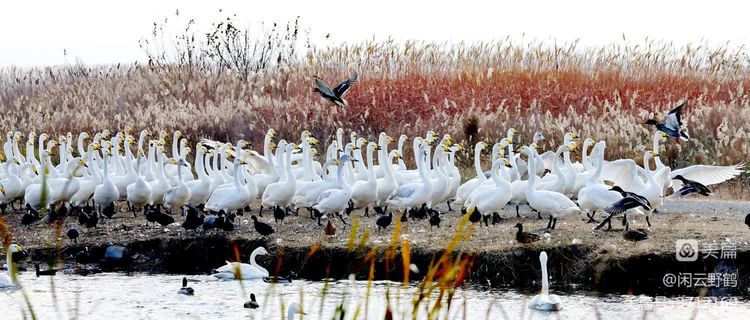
[229, 83]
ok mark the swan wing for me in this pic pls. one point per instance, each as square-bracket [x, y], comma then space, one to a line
[708, 175]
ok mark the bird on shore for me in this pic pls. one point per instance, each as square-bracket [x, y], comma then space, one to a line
[185, 290]
[193, 219]
[384, 221]
[435, 220]
[629, 201]
[545, 301]
[330, 229]
[525, 237]
[164, 219]
[48, 272]
[261, 227]
[278, 214]
[335, 95]
[635, 235]
[252, 304]
[690, 187]
[277, 279]
[29, 217]
[672, 125]
[73, 234]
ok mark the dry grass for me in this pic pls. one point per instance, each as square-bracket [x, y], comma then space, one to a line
[481, 89]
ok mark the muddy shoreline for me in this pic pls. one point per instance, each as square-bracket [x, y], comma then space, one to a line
[579, 258]
[573, 267]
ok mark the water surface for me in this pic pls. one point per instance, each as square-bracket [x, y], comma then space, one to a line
[119, 296]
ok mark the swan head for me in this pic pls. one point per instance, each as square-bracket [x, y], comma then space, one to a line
[312, 141]
[271, 133]
[178, 134]
[396, 154]
[572, 147]
[588, 142]
[260, 251]
[2, 190]
[13, 248]
[543, 258]
[106, 133]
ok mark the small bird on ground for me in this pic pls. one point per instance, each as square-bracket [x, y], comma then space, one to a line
[188, 291]
[330, 229]
[252, 304]
[435, 220]
[384, 221]
[263, 228]
[335, 95]
[672, 125]
[635, 235]
[73, 234]
[525, 237]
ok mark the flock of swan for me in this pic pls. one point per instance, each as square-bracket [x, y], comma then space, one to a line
[224, 178]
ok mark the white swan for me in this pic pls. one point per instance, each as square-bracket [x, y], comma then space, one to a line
[106, 193]
[244, 271]
[138, 192]
[364, 193]
[545, 301]
[336, 200]
[6, 280]
[200, 189]
[179, 195]
[230, 198]
[414, 194]
[280, 193]
[487, 200]
[468, 187]
[294, 309]
[547, 202]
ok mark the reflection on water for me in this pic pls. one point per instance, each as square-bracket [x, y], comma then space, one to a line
[118, 296]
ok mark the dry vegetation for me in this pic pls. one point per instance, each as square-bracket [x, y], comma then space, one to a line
[231, 83]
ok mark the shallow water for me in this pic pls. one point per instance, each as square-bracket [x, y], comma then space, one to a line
[119, 296]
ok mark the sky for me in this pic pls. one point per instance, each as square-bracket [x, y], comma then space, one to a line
[36, 33]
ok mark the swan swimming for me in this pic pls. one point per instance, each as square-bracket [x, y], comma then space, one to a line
[243, 271]
[545, 301]
[6, 280]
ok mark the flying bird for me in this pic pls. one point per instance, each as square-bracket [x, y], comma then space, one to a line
[690, 186]
[335, 95]
[673, 125]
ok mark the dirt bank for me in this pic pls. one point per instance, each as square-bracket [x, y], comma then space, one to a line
[579, 257]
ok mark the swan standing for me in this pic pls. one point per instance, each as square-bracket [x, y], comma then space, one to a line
[553, 203]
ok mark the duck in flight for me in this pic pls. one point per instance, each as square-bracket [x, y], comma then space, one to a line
[690, 187]
[673, 125]
[335, 95]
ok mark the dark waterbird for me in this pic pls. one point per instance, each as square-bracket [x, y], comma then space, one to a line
[109, 210]
[384, 221]
[690, 187]
[209, 223]
[278, 214]
[747, 220]
[30, 216]
[48, 272]
[629, 201]
[263, 228]
[635, 235]
[252, 304]
[525, 237]
[152, 214]
[673, 124]
[225, 223]
[435, 220]
[188, 291]
[277, 279]
[73, 234]
[164, 219]
[335, 95]
[193, 219]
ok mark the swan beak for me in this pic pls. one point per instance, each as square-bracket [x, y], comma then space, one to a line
[2, 190]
